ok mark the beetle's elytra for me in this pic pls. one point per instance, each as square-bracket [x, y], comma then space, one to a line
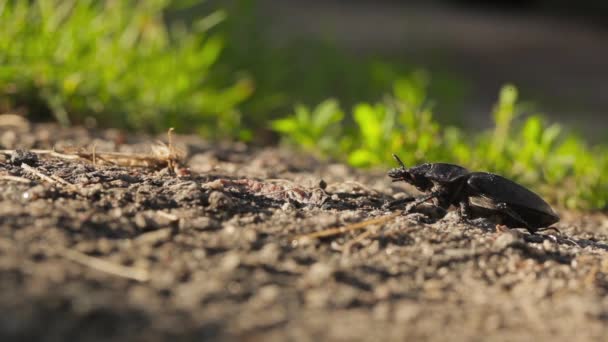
[477, 194]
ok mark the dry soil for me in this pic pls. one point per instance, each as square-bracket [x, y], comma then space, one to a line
[97, 252]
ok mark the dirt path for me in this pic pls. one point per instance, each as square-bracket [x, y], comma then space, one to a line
[100, 252]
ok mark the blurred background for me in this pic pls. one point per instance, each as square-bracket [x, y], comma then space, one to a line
[556, 52]
[514, 87]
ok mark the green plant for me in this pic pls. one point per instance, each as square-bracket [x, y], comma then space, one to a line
[538, 154]
[315, 130]
[117, 62]
[148, 65]
[401, 123]
[541, 156]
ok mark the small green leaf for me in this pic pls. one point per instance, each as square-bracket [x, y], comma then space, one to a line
[327, 113]
[532, 130]
[361, 158]
[287, 125]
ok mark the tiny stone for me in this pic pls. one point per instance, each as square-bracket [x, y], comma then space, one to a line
[317, 298]
[230, 262]
[548, 245]
[140, 220]
[230, 229]
[507, 239]
[406, 312]
[250, 235]
[154, 237]
[318, 274]
[269, 293]
[344, 296]
[219, 200]
[382, 311]
[19, 157]
[92, 190]
[200, 223]
[269, 253]
[322, 184]
[9, 139]
[214, 185]
[287, 206]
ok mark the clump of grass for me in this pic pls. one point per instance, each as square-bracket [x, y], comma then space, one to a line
[313, 130]
[117, 62]
[527, 149]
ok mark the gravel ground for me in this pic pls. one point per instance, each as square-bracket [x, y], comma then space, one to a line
[92, 252]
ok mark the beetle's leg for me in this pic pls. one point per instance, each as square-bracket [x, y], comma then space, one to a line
[465, 210]
[559, 234]
[420, 200]
[549, 228]
[398, 202]
[507, 210]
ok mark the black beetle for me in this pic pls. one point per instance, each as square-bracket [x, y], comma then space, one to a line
[478, 194]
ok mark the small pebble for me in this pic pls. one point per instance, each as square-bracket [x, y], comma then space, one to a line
[507, 239]
[19, 157]
[200, 223]
[219, 200]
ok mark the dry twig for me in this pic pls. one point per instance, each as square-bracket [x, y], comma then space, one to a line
[162, 156]
[15, 179]
[39, 174]
[53, 179]
[341, 230]
[137, 274]
[168, 216]
[352, 243]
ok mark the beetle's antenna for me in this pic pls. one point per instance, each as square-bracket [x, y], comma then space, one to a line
[398, 161]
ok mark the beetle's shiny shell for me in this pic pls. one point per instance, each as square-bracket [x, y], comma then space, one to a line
[440, 172]
[497, 189]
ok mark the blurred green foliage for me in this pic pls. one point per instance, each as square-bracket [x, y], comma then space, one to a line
[151, 65]
[118, 62]
[527, 149]
[313, 130]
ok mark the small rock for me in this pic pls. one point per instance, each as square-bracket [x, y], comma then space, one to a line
[19, 157]
[406, 312]
[548, 245]
[250, 235]
[219, 200]
[507, 238]
[154, 237]
[9, 139]
[344, 296]
[230, 262]
[322, 184]
[318, 274]
[317, 298]
[269, 254]
[217, 184]
[200, 223]
[267, 295]
[382, 311]
[93, 190]
[34, 193]
[142, 221]
[287, 206]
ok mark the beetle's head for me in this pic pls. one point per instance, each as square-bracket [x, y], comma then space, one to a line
[414, 175]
